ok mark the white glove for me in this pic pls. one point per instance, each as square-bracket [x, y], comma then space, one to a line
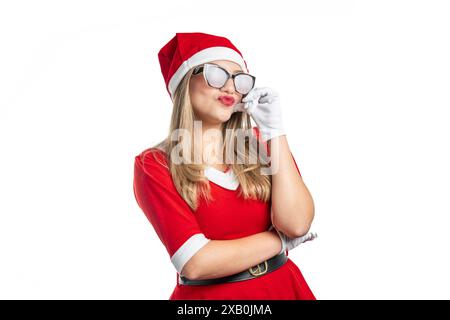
[291, 243]
[263, 105]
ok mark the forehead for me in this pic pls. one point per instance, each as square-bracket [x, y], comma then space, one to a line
[231, 66]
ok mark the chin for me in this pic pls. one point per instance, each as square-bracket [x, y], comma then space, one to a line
[224, 117]
[221, 120]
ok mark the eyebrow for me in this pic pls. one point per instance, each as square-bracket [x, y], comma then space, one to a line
[233, 72]
[236, 71]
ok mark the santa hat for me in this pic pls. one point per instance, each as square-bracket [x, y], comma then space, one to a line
[187, 50]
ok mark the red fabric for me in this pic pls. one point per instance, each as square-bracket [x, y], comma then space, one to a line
[155, 192]
[227, 217]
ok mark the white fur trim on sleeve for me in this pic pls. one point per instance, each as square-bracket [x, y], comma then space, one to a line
[187, 250]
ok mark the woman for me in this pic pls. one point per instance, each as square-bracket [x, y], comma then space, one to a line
[226, 226]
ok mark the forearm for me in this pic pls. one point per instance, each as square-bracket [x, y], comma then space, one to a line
[292, 204]
[220, 258]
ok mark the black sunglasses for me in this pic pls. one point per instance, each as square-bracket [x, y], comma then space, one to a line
[216, 77]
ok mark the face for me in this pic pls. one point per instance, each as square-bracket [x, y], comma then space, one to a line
[205, 99]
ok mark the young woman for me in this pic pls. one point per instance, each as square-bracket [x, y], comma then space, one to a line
[227, 225]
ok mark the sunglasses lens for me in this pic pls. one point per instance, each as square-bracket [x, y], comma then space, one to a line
[244, 83]
[215, 76]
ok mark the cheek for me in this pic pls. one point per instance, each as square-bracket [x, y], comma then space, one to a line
[202, 96]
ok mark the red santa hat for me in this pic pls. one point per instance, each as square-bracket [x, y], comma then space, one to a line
[187, 50]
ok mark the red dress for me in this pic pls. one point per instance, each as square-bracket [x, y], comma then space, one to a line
[227, 217]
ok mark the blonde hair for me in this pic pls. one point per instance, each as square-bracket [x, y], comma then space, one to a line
[189, 178]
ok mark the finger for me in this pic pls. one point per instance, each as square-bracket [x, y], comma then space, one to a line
[255, 93]
[250, 96]
[312, 237]
[265, 92]
[270, 91]
[268, 95]
[262, 95]
[250, 106]
[267, 99]
[307, 237]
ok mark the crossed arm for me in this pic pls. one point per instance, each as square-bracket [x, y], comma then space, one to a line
[292, 213]
[220, 258]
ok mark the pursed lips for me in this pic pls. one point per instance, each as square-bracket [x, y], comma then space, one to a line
[227, 100]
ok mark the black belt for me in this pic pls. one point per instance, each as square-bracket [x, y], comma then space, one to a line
[261, 269]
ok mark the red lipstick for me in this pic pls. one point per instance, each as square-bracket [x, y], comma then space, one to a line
[227, 100]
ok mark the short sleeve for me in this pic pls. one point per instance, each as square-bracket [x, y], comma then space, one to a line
[258, 136]
[170, 215]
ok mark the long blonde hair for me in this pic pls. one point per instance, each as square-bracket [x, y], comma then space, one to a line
[189, 178]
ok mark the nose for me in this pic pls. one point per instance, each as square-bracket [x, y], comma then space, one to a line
[229, 86]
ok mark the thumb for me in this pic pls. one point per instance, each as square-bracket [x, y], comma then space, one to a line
[309, 236]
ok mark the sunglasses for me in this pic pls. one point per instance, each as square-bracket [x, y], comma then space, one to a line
[216, 77]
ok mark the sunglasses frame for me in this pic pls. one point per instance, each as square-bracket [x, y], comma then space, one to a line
[200, 68]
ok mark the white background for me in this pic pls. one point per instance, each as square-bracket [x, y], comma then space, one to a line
[364, 87]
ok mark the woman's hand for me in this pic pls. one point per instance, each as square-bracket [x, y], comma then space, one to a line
[291, 243]
[263, 105]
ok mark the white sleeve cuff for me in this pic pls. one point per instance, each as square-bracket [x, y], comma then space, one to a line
[187, 250]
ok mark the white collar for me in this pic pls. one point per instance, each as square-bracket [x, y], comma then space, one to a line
[228, 179]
